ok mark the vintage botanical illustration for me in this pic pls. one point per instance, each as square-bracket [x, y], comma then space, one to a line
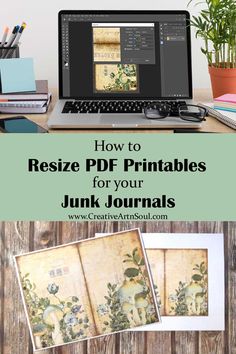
[181, 281]
[85, 289]
[124, 296]
[190, 298]
[116, 77]
[106, 44]
[130, 303]
[54, 320]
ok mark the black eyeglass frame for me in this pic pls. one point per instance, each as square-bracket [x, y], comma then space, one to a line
[167, 113]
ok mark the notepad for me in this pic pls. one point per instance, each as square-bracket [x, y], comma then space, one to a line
[226, 102]
[229, 118]
[17, 75]
[229, 97]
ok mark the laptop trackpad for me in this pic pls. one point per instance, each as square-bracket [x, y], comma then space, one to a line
[123, 119]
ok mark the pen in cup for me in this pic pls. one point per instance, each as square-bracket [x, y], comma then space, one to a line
[12, 37]
[4, 37]
[18, 35]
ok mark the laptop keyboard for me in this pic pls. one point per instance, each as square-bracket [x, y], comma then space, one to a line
[115, 106]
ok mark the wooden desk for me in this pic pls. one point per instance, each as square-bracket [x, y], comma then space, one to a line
[20, 237]
[200, 95]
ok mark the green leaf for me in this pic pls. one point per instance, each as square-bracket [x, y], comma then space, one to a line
[69, 304]
[142, 262]
[36, 320]
[197, 277]
[75, 298]
[131, 272]
[143, 294]
[141, 282]
[137, 258]
[200, 294]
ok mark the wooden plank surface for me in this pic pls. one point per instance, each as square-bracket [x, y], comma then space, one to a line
[2, 255]
[211, 342]
[15, 240]
[230, 266]
[2, 258]
[44, 235]
[19, 237]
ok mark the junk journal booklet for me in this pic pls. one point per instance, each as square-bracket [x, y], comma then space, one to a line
[86, 289]
[188, 275]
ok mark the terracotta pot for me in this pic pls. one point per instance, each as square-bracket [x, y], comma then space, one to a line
[222, 80]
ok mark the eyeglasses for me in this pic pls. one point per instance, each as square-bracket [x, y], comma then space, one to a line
[189, 112]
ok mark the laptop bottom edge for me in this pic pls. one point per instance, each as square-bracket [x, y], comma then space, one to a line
[59, 120]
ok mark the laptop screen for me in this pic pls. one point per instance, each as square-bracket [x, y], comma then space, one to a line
[124, 55]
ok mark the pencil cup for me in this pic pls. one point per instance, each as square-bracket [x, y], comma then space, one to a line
[9, 53]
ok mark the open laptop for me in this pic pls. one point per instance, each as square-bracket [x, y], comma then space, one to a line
[114, 63]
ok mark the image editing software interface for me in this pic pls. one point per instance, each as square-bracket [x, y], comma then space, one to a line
[124, 55]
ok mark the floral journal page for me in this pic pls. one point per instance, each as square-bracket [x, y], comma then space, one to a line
[181, 290]
[118, 282]
[86, 289]
[55, 296]
[189, 280]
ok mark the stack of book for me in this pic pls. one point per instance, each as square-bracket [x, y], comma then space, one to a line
[223, 109]
[27, 102]
[226, 102]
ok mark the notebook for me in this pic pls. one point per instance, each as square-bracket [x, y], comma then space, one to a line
[41, 93]
[228, 118]
[228, 97]
[226, 102]
[26, 107]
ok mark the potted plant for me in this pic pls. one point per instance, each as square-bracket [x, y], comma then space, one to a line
[216, 25]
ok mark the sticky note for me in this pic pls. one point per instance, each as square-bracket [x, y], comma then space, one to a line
[17, 75]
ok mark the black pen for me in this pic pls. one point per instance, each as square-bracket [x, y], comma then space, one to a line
[12, 37]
